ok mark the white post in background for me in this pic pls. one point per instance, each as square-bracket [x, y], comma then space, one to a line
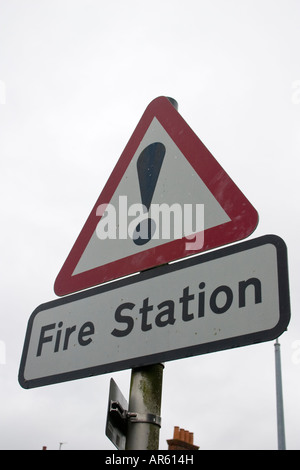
[279, 399]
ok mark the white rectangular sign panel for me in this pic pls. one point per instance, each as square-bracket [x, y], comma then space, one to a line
[232, 297]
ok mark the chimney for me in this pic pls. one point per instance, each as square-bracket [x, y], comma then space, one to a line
[182, 440]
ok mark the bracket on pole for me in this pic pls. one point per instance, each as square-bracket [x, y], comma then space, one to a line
[144, 418]
[122, 416]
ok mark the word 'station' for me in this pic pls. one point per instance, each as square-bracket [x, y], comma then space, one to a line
[220, 301]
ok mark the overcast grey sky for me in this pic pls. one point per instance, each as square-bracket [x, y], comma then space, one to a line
[75, 78]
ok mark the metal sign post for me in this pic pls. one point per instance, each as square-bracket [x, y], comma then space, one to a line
[145, 404]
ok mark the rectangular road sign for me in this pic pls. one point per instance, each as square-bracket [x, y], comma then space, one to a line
[232, 297]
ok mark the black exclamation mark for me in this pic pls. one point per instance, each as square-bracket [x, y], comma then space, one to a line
[148, 168]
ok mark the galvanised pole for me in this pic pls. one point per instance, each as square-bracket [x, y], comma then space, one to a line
[279, 399]
[144, 408]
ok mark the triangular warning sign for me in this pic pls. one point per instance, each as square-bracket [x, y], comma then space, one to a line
[167, 198]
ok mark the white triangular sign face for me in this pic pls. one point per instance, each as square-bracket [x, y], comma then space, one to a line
[177, 181]
[167, 198]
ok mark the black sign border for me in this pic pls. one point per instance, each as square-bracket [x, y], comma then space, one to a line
[229, 343]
